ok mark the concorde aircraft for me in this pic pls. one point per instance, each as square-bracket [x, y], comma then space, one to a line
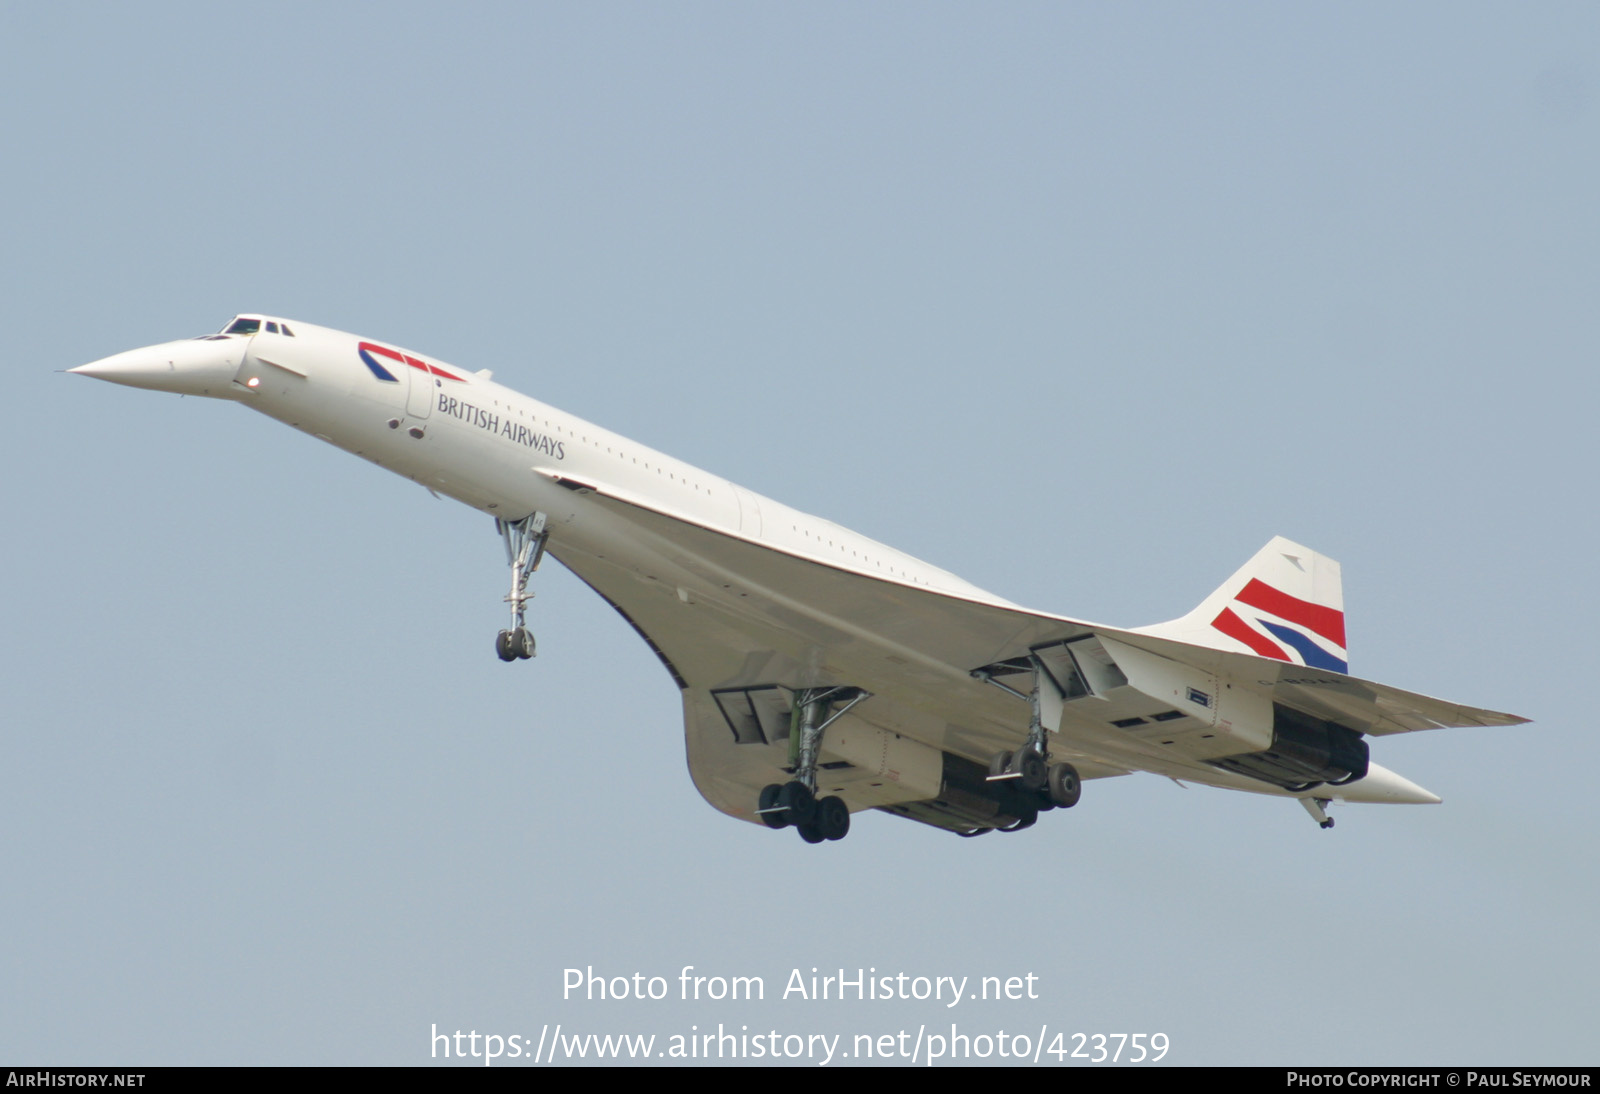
[823, 673]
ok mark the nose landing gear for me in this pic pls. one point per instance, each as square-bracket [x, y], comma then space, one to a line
[524, 540]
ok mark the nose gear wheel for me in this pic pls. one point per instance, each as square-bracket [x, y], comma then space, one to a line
[511, 645]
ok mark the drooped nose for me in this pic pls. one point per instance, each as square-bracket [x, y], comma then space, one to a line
[195, 366]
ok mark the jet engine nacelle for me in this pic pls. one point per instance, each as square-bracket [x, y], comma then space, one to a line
[1239, 729]
[1305, 751]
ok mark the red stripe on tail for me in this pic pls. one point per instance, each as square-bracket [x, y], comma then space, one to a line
[1234, 627]
[1320, 620]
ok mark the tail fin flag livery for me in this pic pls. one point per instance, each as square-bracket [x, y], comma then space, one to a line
[824, 674]
[1286, 603]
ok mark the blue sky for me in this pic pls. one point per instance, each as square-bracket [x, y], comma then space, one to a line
[1082, 302]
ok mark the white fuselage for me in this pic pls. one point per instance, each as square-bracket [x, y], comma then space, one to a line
[505, 453]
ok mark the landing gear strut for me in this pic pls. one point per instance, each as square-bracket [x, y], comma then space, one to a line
[1317, 807]
[524, 540]
[1040, 784]
[795, 803]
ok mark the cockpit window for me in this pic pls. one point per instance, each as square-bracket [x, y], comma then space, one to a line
[287, 331]
[272, 328]
[243, 326]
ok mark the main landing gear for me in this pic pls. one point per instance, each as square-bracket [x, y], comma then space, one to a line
[1039, 784]
[524, 540]
[795, 803]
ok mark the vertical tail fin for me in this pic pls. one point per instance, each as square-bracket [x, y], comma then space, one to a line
[1286, 603]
